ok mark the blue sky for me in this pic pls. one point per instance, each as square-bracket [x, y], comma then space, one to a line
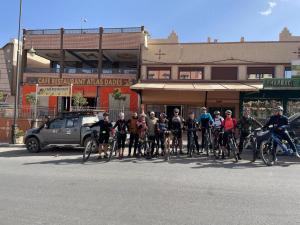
[193, 20]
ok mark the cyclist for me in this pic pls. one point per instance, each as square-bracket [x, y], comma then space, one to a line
[121, 125]
[205, 121]
[105, 129]
[152, 121]
[280, 122]
[229, 125]
[217, 129]
[133, 131]
[245, 125]
[192, 126]
[176, 125]
[161, 129]
[142, 130]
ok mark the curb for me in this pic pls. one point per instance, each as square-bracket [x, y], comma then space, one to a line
[12, 145]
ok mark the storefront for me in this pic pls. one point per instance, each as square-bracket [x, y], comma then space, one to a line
[164, 97]
[284, 92]
[87, 87]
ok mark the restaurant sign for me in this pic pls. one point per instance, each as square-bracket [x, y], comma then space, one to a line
[54, 91]
[281, 83]
[51, 81]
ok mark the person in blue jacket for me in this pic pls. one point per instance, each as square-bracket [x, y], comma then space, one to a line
[205, 120]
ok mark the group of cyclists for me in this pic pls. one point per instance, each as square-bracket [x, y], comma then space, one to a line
[163, 133]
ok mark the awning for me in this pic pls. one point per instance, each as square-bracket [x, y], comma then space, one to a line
[198, 86]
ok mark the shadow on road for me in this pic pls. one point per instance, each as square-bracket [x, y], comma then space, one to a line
[60, 157]
[45, 152]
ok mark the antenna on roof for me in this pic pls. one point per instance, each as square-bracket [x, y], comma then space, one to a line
[82, 20]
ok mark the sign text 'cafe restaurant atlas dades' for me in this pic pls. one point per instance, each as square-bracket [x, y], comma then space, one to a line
[94, 62]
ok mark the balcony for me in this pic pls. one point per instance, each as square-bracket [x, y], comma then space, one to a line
[83, 39]
[82, 70]
[85, 31]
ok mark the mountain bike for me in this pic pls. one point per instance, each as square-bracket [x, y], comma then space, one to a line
[268, 151]
[91, 146]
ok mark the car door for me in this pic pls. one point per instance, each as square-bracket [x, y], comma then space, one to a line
[53, 133]
[71, 132]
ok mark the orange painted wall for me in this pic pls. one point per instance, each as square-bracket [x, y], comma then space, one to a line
[104, 96]
[87, 91]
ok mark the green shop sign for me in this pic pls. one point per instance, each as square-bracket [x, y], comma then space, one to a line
[281, 83]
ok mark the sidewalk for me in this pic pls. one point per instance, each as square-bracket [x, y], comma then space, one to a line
[12, 145]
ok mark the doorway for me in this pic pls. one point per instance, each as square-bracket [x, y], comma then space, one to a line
[170, 110]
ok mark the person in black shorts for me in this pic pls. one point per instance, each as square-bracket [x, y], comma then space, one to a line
[122, 127]
[105, 129]
[176, 125]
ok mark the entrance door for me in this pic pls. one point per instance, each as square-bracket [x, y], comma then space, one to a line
[170, 110]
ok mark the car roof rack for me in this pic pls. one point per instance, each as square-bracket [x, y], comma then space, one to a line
[77, 113]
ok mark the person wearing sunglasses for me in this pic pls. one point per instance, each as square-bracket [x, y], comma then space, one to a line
[176, 125]
[229, 125]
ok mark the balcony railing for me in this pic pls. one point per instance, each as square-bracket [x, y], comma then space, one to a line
[42, 70]
[85, 31]
[83, 70]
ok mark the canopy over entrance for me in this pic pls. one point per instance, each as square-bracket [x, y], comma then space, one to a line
[198, 86]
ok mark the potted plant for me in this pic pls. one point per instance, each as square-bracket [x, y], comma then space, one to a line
[20, 136]
[79, 101]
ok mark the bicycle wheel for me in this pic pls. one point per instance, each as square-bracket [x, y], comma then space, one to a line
[233, 149]
[206, 146]
[267, 153]
[112, 149]
[90, 146]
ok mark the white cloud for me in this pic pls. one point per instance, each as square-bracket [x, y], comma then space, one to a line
[269, 11]
[272, 4]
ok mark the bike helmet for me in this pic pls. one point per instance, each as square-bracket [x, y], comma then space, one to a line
[176, 110]
[228, 112]
[203, 108]
[217, 112]
[163, 115]
[278, 109]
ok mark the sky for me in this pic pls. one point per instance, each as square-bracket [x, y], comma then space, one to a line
[192, 20]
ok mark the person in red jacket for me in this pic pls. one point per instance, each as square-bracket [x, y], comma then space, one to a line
[229, 125]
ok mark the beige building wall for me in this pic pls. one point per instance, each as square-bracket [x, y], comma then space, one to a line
[208, 54]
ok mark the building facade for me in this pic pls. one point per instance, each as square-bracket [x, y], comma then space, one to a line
[96, 62]
[219, 75]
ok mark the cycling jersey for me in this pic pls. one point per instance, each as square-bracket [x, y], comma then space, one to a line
[217, 124]
[177, 123]
[162, 126]
[278, 121]
[205, 119]
[122, 126]
[229, 124]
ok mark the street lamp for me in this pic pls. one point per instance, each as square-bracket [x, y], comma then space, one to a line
[14, 126]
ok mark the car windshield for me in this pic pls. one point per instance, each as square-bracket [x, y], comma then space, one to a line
[89, 120]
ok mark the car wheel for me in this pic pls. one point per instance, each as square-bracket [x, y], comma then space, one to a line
[33, 145]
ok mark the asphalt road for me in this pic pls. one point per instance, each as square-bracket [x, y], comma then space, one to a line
[53, 187]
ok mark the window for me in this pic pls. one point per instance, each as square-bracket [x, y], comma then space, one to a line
[163, 73]
[288, 72]
[257, 73]
[224, 73]
[72, 123]
[89, 120]
[186, 73]
[57, 124]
